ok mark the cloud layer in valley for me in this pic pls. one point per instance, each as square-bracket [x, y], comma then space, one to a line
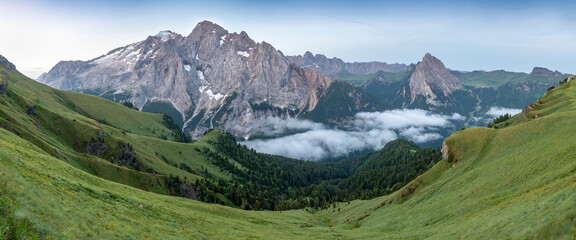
[488, 117]
[307, 140]
[495, 112]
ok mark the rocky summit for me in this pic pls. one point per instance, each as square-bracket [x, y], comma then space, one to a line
[544, 72]
[430, 82]
[335, 66]
[7, 64]
[209, 79]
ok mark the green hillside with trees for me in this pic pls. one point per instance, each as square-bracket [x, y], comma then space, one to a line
[70, 171]
[148, 151]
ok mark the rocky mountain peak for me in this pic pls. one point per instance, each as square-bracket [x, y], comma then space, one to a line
[544, 72]
[431, 62]
[7, 64]
[334, 66]
[207, 26]
[208, 79]
[308, 55]
[431, 79]
[166, 35]
[205, 30]
[428, 56]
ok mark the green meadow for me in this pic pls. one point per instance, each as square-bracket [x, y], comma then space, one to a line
[514, 182]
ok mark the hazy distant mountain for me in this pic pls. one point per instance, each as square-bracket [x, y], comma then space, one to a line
[208, 79]
[544, 72]
[430, 85]
[335, 66]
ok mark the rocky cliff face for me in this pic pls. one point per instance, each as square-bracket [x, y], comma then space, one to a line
[3, 83]
[544, 72]
[7, 64]
[430, 82]
[3, 76]
[334, 66]
[210, 78]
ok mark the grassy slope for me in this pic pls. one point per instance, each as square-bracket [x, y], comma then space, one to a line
[492, 79]
[68, 203]
[108, 112]
[357, 80]
[64, 122]
[518, 182]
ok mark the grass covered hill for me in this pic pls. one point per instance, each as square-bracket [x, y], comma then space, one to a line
[139, 149]
[517, 181]
[98, 136]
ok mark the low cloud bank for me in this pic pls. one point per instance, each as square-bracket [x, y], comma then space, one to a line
[484, 119]
[307, 140]
[495, 112]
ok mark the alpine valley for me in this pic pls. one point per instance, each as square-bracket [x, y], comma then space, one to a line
[102, 149]
[216, 79]
[208, 79]
[430, 85]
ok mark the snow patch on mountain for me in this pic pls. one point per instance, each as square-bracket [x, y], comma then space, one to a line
[223, 39]
[243, 53]
[164, 35]
[213, 96]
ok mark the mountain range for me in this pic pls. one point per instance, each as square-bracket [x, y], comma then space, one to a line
[79, 166]
[334, 67]
[208, 79]
[216, 79]
[430, 85]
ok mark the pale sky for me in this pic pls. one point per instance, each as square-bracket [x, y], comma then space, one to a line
[514, 35]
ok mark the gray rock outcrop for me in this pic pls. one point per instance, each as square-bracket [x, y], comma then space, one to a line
[3, 77]
[3, 83]
[334, 66]
[544, 72]
[7, 64]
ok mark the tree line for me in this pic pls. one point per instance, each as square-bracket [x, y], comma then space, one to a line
[267, 182]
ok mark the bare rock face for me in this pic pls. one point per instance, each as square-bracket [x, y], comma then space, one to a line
[315, 82]
[524, 114]
[544, 72]
[334, 66]
[431, 82]
[7, 64]
[445, 151]
[3, 83]
[208, 79]
[3, 78]
[318, 62]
